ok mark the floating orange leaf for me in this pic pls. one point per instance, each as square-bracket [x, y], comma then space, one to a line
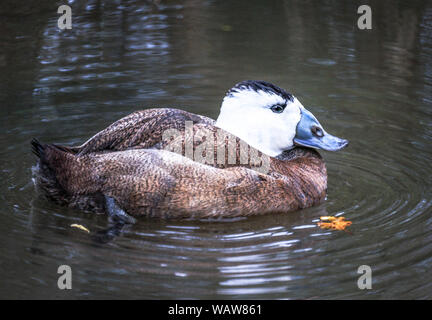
[334, 223]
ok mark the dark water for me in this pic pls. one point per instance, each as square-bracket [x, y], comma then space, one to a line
[372, 87]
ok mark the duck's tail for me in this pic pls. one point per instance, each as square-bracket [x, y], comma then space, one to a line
[65, 178]
[51, 161]
[37, 148]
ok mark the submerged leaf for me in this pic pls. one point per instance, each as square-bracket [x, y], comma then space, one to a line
[335, 223]
[80, 227]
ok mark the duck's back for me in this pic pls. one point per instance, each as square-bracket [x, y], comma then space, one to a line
[140, 130]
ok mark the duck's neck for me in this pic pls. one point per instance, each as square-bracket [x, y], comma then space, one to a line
[298, 152]
[301, 162]
[306, 171]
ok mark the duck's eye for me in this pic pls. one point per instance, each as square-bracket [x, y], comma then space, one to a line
[317, 131]
[277, 108]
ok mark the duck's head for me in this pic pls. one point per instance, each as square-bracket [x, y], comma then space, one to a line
[272, 120]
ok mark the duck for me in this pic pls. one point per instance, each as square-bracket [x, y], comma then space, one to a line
[258, 157]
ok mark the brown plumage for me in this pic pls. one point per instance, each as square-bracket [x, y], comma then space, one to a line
[129, 161]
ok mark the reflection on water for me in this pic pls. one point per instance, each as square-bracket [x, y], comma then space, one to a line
[372, 87]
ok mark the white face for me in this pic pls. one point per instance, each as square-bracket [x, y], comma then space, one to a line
[253, 116]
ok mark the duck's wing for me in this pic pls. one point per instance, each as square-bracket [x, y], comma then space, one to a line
[139, 130]
[210, 145]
